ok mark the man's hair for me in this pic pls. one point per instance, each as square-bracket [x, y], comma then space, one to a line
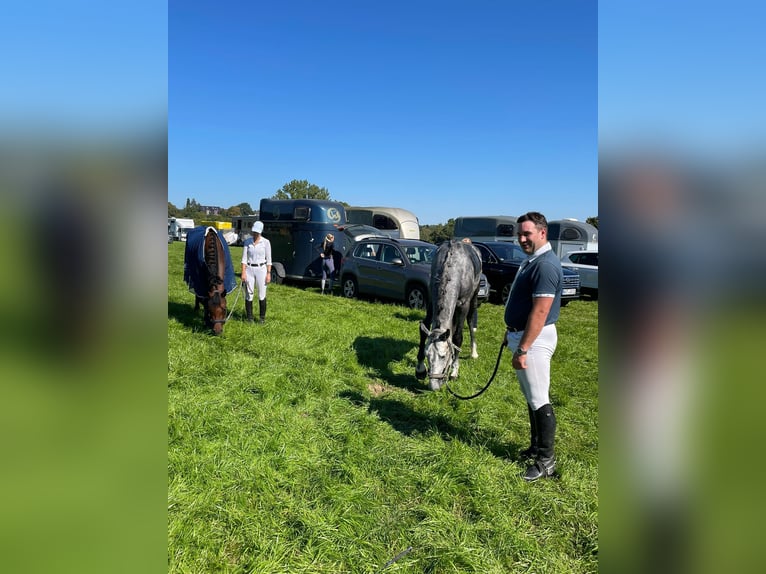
[535, 217]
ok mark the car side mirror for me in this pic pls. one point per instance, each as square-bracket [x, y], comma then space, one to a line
[397, 261]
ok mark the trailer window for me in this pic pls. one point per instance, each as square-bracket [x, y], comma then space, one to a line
[301, 213]
[384, 222]
[504, 230]
[570, 234]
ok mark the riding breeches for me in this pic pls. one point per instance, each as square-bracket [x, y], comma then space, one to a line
[328, 268]
[535, 380]
[256, 276]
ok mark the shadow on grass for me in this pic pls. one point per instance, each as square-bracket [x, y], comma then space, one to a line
[378, 353]
[185, 314]
[406, 420]
[193, 320]
[413, 315]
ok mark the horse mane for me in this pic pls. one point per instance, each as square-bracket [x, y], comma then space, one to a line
[212, 260]
[448, 270]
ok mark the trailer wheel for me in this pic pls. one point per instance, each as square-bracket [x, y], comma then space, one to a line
[276, 277]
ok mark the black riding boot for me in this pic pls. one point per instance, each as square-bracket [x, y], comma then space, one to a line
[531, 451]
[249, 310]
[545, 461]
[262, 310]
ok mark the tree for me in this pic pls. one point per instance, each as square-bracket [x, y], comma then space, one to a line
[173, 211]
[192, 209]
[439, 232]
[301, 189]
[245, 209]
[592, 221]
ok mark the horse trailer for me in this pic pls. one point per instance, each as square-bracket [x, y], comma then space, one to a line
[392, 221]
[296, 229]
[567, 235]
[242, 225]
[486, 228]
[178, 227]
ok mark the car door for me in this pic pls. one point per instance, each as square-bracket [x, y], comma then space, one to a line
[500, 275]
[368, 266]
[574, 261]
[588, 268]
[391, 275]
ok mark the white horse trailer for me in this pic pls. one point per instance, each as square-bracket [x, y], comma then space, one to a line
[178, 227]
[567, 235]
[392, 221]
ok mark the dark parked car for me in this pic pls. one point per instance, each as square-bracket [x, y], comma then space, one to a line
[501, 260]
[398, 269]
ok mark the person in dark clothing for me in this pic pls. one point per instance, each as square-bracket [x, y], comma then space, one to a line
[328, 264]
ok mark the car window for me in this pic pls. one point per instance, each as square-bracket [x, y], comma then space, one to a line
[414, 255]
[510, 253]
[390, 253]
[485, 255]
[367, 251]
[590, 259]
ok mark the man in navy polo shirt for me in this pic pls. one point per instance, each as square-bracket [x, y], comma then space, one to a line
[531, 313]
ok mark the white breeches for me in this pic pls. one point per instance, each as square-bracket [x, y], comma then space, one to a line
[535, 380]
[256, 276]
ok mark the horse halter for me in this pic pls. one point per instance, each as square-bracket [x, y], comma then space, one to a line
[222, 294]
[451, 348]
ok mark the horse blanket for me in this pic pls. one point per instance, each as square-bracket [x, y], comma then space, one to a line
[195, 269]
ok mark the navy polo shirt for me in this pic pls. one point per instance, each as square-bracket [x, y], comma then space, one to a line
[539, 276]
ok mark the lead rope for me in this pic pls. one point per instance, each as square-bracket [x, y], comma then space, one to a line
[497, 364]
[239, 291]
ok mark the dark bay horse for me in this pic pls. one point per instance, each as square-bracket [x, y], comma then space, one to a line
[454, 290]
[209, 273]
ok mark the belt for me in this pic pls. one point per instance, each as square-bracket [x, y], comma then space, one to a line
[514, 329]
[256, 264]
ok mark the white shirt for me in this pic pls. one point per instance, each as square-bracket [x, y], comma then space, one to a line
[259, 252]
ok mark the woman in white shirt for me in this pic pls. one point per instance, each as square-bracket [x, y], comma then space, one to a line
[256, 270]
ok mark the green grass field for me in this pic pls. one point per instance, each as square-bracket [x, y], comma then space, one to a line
[302, 445]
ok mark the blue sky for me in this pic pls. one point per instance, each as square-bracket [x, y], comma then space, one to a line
[444, 108]
[686, 73]
[86, 67]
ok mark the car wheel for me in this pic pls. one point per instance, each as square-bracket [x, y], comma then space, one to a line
[350, 288]
[416, 297]
[505, 292]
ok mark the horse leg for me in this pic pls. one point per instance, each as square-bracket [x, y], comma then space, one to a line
[473, 321]
[457, 340]
[420, 370]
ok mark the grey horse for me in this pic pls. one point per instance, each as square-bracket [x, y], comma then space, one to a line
[454, 290]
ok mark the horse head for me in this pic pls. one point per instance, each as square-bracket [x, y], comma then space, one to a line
[441, 354]
[215, 306]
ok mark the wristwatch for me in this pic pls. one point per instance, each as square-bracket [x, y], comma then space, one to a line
[518, 352]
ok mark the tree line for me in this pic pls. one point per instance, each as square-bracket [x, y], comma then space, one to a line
[302, 189]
